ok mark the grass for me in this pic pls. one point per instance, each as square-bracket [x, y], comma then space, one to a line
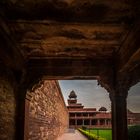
[106, 134]
[90, 136]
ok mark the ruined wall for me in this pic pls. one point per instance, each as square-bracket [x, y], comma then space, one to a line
[46, 113]
[7, 106]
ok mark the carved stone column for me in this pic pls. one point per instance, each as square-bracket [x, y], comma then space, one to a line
[117, 84]
[20, 115]
[119, 115]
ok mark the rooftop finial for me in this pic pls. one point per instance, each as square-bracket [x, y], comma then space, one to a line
[72, 94]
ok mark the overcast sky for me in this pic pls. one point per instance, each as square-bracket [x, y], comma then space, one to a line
[92, 95]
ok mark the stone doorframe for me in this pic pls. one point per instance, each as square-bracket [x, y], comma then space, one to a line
[118, 91]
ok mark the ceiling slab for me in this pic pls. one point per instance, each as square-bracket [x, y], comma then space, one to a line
[51, 38]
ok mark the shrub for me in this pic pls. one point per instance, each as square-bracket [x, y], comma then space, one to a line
[84, 127]
[134, 132]
[90, 136]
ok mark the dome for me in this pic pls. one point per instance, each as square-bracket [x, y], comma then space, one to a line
[72, 94]
[102, 109]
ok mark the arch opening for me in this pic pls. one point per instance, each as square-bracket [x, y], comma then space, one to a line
[47, 110]
[133, 105]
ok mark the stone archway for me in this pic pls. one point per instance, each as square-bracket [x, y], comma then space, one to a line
[98, 44]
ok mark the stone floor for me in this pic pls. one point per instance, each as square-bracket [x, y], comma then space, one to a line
[72, 135]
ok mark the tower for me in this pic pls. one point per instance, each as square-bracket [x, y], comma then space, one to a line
[72, 98]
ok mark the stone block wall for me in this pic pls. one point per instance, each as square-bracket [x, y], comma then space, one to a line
[46, 113]
[7, 107]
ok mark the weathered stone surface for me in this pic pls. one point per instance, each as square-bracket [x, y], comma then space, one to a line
[7, 109]
[71, 10]
[38, 38]
[48, 116]
[67, 39]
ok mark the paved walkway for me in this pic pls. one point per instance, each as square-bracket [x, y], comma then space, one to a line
[72, 135]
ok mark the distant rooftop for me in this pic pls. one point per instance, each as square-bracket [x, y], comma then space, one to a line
[102, 109]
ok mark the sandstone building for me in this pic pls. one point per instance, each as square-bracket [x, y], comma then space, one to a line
[91, 117]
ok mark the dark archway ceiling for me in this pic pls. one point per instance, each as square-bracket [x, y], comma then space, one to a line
[71, 10]
[72, 28]
[66, 34]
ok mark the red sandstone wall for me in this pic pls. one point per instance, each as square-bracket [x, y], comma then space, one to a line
[46, 113]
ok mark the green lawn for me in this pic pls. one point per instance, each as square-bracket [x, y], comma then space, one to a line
[104, 133]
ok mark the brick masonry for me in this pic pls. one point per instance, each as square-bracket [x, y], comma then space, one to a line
[46, 113]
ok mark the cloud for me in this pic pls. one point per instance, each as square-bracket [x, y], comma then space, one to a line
[133, 100]
[92, 95]
[88, 92]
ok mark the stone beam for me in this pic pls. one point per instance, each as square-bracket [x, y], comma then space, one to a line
[132, 62]
[70, 10]
[71, 68]
[129, 53]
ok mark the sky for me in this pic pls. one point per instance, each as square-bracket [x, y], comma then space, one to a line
[92, 95]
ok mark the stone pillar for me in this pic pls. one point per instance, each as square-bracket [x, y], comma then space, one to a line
[105, 122]
[90, 122]
[82, 122]
[98, 122]
[7, 105]
[75, 123]
[119, 116]
[21, 132]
